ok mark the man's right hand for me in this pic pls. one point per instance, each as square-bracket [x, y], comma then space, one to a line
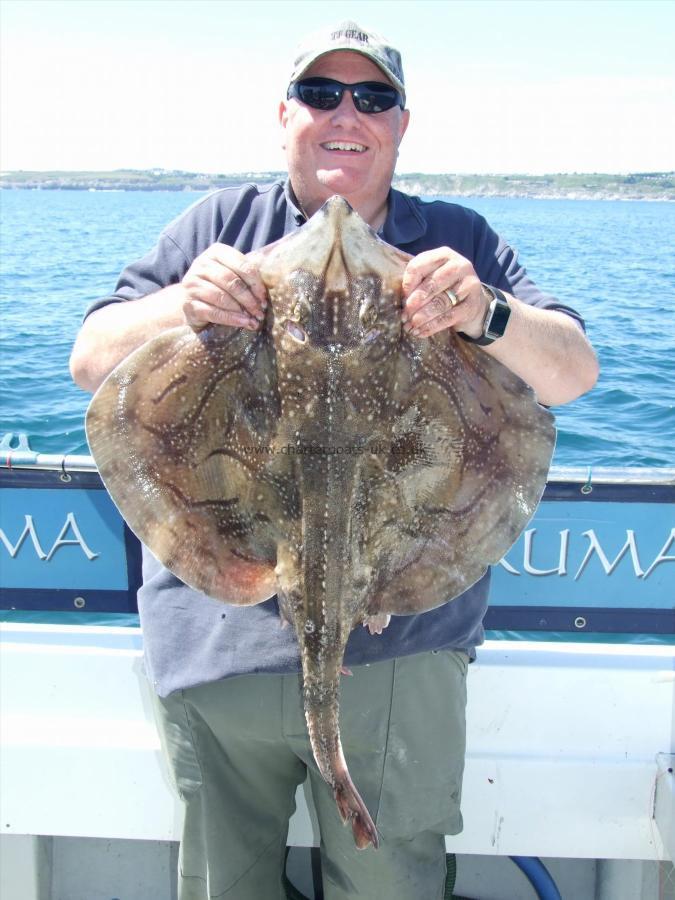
[225, 288]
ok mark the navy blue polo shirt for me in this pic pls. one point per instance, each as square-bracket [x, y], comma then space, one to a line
[190, 638]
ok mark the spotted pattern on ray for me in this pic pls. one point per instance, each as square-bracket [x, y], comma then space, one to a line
[330, 458]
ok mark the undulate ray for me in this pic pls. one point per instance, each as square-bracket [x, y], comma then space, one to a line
[410, 464]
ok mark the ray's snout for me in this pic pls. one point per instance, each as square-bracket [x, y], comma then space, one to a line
[334, 290]
[336, 208]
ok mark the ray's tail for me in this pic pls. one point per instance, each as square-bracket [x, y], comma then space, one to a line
[324, 615]
[322, 712]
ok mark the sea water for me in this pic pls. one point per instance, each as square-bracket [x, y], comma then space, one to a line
[613, 261]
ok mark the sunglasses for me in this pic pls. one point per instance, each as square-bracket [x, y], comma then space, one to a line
[326, 93]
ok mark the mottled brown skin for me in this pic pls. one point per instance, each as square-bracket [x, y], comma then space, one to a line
[329, 458]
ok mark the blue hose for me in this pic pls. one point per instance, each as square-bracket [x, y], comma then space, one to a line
[534, 870]
[538, 876]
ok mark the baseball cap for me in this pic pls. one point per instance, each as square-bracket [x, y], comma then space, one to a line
[350, 36]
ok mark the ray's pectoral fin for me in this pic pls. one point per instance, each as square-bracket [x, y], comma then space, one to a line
[178, 432]
[471, 449]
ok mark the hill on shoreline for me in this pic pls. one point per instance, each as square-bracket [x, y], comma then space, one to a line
[570, 186]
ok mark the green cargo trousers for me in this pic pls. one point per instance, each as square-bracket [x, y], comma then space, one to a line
[237, 750]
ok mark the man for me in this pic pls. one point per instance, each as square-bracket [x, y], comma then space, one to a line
[237, 746]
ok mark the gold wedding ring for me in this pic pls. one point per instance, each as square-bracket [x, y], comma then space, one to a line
[452, 297]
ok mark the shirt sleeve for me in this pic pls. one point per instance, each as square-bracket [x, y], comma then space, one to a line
[183, 239]
[497, 264]
[244, 216]
[165, 264]
[466, 231]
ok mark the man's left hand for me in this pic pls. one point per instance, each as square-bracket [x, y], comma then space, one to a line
[428, 309]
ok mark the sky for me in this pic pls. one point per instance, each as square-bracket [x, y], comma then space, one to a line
[494, 86]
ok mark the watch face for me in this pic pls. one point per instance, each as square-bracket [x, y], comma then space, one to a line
[495, 320]
[498, 320]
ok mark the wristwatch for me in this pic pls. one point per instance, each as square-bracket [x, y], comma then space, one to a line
[496, 319]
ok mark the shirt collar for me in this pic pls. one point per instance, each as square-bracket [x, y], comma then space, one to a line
[403, 225]
[295, 217]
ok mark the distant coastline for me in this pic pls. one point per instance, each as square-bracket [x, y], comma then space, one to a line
[562, 186]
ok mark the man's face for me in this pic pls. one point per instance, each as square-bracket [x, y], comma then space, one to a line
[318, 168]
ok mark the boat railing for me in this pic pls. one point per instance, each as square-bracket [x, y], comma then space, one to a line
[16, 453]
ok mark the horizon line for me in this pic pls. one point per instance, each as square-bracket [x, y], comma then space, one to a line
[277, 172]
